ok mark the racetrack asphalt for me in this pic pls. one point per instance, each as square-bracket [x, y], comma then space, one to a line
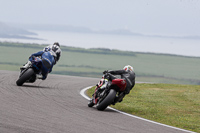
[56, 106]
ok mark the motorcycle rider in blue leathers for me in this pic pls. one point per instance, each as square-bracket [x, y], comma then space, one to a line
[50, 55]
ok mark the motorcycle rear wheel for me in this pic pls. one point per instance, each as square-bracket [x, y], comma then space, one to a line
[25, 76]
[107, 100]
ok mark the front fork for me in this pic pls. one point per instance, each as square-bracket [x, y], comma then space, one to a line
[98, 95]
[94, 96]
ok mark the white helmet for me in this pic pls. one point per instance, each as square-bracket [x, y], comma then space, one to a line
[128, 68]
[54, 49]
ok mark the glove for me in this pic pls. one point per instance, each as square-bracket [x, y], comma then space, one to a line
[105, 72]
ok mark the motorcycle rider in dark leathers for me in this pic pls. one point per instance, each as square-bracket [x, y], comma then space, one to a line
[127, 73]
[51, 54]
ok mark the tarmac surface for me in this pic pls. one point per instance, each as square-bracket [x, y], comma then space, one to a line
[56, 106]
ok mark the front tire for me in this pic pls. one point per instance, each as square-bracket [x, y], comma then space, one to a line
[25, 76]
[107, 100]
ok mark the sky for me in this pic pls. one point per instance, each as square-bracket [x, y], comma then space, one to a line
[159, 17]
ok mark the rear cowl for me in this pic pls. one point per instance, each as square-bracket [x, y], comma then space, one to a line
[121, 83]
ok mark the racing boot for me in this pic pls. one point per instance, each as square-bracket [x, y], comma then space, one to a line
[39, 76]
[121, 96]
[118, 98]
[25, 65]
[90, 103]
[115, 100]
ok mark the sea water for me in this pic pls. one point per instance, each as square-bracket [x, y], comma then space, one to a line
[178, 46]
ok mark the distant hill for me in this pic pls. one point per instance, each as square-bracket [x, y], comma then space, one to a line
[79, 29]
[70, 28]
[7, 31]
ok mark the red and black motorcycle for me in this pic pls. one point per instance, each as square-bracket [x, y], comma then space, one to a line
[102, 98]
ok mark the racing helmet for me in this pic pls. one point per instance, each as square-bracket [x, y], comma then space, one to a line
[128, 68]
[49, 48]
[56, 49]
[57, 44]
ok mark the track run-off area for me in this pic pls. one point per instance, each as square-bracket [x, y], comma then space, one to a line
[56, 106]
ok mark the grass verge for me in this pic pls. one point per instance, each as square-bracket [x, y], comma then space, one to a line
[171, 104]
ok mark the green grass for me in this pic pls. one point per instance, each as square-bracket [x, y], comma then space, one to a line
[175, 105]
[158, 68]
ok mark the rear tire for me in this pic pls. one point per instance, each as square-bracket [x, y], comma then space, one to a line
[25, 76]
[107, 101]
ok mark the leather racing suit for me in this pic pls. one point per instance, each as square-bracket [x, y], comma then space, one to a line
[47, 60]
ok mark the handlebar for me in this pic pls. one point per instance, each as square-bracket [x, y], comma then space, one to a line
[105, 72]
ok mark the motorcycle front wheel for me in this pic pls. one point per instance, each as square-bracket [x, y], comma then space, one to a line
[103, 104]
[25, 76]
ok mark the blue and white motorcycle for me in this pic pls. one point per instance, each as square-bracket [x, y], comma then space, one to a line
[29, 74]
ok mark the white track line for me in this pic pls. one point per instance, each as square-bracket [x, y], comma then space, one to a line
[82, 92]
